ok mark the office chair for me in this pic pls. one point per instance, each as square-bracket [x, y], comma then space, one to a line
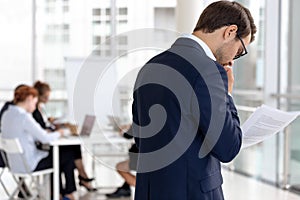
[13, 146]
[2, 170]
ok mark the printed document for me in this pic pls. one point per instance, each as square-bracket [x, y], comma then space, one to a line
[265, 122]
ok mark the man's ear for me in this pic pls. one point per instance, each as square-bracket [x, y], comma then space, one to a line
[230, 32]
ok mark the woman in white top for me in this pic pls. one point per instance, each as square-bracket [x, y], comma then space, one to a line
[17, 122]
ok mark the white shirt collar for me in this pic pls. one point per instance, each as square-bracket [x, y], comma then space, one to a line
[206, 49]
[18, 108]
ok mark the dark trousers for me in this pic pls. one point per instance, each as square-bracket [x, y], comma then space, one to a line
[66, 165]
[71, 150]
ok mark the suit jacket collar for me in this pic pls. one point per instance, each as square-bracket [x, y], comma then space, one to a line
[189, 42]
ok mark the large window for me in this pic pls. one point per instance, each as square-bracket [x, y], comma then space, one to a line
[292, 98]
[269, 75]
[36, 42]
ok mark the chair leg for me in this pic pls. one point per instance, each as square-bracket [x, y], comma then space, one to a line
[35, 187]
[16, 190]
[43, 191]
[19, 188]
[3, 186]
[40, 192]
[47, 186]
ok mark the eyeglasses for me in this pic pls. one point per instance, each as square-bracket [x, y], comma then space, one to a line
[244, 52]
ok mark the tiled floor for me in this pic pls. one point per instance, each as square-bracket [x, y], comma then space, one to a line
[236, 187]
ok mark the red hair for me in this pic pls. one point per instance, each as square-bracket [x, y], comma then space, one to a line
[23, 92]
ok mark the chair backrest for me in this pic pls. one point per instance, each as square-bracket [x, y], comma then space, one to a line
[12, 146]
[14, 153]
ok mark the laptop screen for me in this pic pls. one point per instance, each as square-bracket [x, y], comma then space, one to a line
[87, 125]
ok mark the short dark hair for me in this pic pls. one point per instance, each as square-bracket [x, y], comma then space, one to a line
[225, 13]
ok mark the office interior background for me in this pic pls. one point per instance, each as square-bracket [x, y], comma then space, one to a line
[41, 39]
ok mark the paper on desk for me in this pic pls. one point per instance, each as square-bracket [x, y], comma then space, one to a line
[263, 123]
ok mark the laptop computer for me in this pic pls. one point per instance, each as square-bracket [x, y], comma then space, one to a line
[87, 126]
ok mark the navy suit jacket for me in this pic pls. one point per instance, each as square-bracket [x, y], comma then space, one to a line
[188, 177]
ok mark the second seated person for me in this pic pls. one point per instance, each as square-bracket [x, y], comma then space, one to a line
[73, 151]
[124, 167]
[17, 122]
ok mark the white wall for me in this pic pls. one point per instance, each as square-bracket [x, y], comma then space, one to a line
[15, 44]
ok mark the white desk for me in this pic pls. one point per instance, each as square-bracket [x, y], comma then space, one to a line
[103, 138]
[108, 144]
[56, 144]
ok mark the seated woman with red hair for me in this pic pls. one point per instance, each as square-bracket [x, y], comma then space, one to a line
[17, 122]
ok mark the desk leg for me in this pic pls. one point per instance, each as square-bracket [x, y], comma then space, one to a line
[93, 163]
[55, 172]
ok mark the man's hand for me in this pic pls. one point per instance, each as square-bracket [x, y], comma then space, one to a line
[230, 77]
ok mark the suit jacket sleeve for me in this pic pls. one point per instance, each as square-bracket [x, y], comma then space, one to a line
[230, 139]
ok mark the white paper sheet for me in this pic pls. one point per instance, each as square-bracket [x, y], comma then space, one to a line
[265, 122]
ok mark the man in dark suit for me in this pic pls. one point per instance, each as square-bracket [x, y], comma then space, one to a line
[185, 120]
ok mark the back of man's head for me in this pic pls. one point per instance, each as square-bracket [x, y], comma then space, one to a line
[224, 13]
